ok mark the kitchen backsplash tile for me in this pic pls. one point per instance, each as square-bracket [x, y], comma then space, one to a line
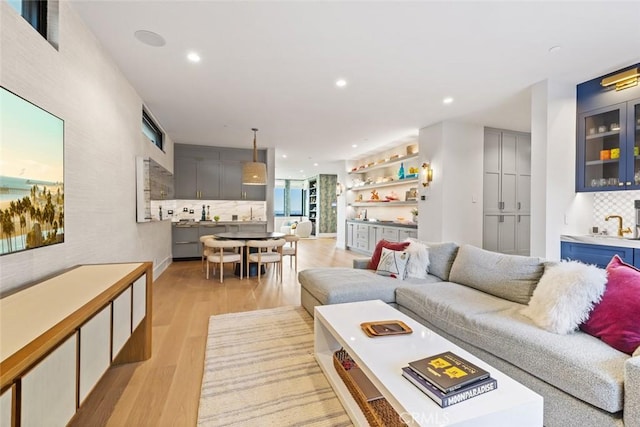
[614, 203]
[222, 208]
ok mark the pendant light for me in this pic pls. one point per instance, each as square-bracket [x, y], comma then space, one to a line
[254, 173]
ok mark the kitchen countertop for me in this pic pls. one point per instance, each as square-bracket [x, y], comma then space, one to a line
[213, 223]
[384, 223]
[622, 242]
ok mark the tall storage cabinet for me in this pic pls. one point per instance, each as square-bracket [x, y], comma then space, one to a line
[507, 191]
[322, 205]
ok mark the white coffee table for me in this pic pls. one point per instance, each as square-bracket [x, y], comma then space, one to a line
[383, 358]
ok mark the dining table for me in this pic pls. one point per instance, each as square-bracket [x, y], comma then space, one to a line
[249, 269]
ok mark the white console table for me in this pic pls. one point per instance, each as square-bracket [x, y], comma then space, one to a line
[58, 337]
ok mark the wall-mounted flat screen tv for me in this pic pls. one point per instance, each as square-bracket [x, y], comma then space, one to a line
[31, 175]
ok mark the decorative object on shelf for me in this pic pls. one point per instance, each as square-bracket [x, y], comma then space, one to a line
[623, 80]
[374, 195]
[414, 213]
[359, 197]
[412, 149]
[208, 214]
[605, 154]
[339, 189]
[216, 218]
[254, 173]
[427, 174]
[401, 171]
[203, 217]
[615, 153]
[412, 194]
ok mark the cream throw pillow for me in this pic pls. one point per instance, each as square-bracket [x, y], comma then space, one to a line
[566, 293]
[418, 265]
[393, 263]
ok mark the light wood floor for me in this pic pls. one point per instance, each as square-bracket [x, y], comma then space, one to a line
[164, 390]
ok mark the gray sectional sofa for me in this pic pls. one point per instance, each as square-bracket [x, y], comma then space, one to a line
[474, 298]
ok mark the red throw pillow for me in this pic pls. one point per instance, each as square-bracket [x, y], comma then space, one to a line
[616, 318]
[377, 253]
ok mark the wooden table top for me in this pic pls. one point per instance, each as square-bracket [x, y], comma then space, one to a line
[250, 235]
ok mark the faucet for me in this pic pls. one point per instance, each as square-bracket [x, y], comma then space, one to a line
[621, 231]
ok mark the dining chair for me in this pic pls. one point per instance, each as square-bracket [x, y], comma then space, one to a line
[291, 249]
[267, 251]
[218, 254]
[204, 250]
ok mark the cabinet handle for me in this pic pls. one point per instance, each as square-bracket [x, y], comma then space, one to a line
[628, 182]
[500, 218]
[621, 184]
[519, 205]
[519, 217]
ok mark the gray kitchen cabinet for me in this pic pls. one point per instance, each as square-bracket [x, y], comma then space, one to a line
[196, 177]
[499, 233]
[375, 234]
[185, 241]
[214, 173]
[350, 236]
[405, 233]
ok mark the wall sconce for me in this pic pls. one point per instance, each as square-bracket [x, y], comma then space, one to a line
[623, 80]
[339, 189]
[427, 174]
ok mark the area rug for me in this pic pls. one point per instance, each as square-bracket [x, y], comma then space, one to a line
[259, 370]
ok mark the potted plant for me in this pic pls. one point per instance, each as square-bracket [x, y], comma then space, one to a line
[414, 212]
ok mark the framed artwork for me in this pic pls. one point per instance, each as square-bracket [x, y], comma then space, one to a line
[31, 175]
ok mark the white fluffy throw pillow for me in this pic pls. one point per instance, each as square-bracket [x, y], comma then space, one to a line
[564, 296]
[393, 263]
[418, 265]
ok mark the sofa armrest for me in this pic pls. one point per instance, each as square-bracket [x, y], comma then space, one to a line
[361, 263]
[632, 392]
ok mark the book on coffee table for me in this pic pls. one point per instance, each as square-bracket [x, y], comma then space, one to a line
[447, 399]
[448, 371]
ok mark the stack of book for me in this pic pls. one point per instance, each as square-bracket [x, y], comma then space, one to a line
[448, 379]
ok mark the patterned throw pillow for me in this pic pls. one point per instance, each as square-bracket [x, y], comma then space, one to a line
[393, 263]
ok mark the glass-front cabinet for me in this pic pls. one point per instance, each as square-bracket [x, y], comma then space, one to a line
[608, 148]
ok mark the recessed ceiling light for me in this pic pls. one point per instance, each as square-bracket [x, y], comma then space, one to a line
[284, 156]
[355, 145]
[554, 49]
[301, 170]
[447, 100]
[341, 82]
[193, 57]
[150, 38]
[315, 164]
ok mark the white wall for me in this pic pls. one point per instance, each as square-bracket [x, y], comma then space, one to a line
[453, 209]
[555, 207]
[102, 117]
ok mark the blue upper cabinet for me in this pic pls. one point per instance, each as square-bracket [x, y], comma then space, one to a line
[608, 137]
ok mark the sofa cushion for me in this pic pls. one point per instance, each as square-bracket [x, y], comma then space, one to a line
[578, 363]
[616, 318]
[511, 277]
[418, 265]
[441, 256]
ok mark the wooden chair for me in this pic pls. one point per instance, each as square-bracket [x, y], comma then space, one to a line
[218, 255]
[268, 251]
[204, 250]
[291, 249]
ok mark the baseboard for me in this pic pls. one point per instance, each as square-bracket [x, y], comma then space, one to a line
[161, 266]
[326, 234]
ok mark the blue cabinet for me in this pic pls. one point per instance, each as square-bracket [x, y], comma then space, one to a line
[599, 255]
[607, 137]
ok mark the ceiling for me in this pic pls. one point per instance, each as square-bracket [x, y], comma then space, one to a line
[273, 65]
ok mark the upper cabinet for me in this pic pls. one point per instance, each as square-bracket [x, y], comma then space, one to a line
[214, 173]
[608, 137]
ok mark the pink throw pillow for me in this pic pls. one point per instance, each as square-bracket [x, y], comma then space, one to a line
[377, 252]
[616, 318]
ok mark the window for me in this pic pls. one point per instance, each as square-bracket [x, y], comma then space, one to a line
[288, 198]
[34, 11]
[151, 130]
